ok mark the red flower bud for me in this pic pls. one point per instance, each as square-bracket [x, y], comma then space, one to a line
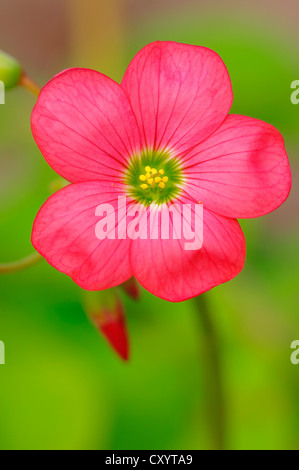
[131, 288]
[106, 311]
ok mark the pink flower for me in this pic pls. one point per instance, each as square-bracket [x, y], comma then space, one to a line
[169, 113]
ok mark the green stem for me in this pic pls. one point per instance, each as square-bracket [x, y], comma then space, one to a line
[215, 403]
[20, 264]
[29, 84]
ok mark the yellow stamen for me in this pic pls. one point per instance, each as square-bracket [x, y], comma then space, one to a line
[153, 177]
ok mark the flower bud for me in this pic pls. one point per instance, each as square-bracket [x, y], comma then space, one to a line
[131, 288]
[105, 310]
[10, 70]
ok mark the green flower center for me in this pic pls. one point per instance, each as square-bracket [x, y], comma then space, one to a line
[153, 177]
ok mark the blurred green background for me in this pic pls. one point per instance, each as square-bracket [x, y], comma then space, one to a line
[62, 387]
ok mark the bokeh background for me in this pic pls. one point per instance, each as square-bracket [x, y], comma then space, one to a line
[62, 387]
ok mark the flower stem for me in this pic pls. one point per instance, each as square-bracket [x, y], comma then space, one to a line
[29, 84]
[20, 264]
[215, 406]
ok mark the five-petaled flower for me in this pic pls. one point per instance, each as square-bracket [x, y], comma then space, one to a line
[162, 136]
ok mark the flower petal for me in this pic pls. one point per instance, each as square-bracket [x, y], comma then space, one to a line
[84, 126]
[179, 93]
[64, 233]
[168, 270]
[242, 170]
